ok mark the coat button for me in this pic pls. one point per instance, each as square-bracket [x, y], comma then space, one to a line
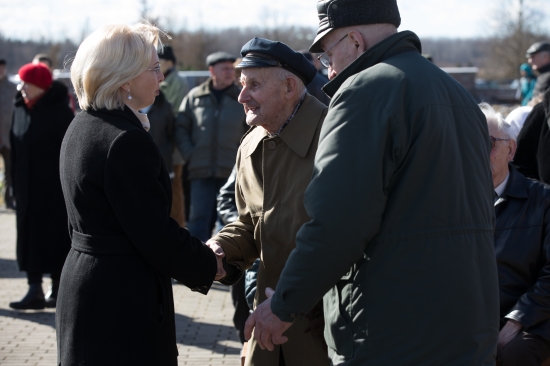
[271, 145]
[293, 315]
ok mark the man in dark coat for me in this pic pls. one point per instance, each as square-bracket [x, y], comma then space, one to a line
[39, 124]
[538, 56]
[400, 241]
[522, 246]
[533, 152]
[162, 129]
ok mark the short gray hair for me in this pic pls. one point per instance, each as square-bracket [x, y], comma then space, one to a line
[282, 74]
[498, 121]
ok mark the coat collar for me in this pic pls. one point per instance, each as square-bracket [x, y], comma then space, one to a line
[299, 133]
[518, 185]
[127, 114]
[204, 89]
[393, 45]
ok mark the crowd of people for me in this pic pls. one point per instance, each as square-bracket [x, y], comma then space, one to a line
[378, 216]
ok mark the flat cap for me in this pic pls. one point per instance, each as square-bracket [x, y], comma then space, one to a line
[167, 53]
[537, 47]
[334, 14]
[261, 52]
[219, 56]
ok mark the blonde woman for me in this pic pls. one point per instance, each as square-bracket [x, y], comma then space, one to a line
[115, 304]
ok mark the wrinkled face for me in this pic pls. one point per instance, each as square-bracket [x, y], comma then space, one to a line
[539, 60]
[501, 154]
[342, 52]
[263, 97]
[223, 74]
[30, 91]
[145, 87]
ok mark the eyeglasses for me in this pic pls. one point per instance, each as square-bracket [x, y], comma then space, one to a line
[155, 69]
[494, 141]
[325, 60]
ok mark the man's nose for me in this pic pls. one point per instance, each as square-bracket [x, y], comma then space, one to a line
[243, 96]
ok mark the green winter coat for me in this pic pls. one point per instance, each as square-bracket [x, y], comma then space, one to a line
[400, 241]
[208, 133]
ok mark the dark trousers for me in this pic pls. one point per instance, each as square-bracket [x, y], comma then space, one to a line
[36, 278]
[8, 190]
[204, 192]
[525, 349]
[241, 308]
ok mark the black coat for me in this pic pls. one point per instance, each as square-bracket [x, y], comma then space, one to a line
[162, 119]
[115, 305]
[532, 157]
[522, 248]
[36, 135]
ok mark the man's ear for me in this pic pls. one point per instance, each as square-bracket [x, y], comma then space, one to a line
[290, 87]
[211, 70]
[358, 41]
[512, 146]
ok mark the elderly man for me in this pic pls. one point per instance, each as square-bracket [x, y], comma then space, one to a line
[274, 167]
[400, 241]
[522, 246]
[209, 127]
[538, 56]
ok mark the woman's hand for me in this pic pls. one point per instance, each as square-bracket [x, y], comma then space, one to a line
[220, 254]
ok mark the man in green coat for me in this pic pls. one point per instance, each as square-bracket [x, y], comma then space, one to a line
[400, 241]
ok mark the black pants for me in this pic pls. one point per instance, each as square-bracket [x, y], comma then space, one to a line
[241, 308]
[523, 350]
[35, 278]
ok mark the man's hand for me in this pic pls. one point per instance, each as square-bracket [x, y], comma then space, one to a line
[218, 251]
[507, 333]
[268, 329]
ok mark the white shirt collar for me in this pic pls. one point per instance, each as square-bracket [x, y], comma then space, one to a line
[502, 186]
[142, 118]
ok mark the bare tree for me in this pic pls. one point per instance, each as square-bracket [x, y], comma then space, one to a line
[517, 26]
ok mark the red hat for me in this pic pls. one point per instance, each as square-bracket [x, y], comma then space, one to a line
[36, 74]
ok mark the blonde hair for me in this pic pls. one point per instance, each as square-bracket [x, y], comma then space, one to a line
[109, 58]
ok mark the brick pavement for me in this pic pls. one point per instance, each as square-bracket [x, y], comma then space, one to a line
[205, 334]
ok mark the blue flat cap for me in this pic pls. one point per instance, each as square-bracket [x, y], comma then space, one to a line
[261, 52]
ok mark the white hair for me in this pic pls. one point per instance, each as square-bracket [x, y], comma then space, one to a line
[282, 74]
[495, 119]
[109, 58]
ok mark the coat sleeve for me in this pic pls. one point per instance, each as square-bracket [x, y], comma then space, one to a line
[227, 207]
[184, 124]
[525, 160]
[237, 238]
[142, 206]
[533, 307]
[345, 199]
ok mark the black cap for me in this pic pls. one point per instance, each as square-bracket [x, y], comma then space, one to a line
[2, 61]
[219, 56]
[261, 52]
[167, 54]
[537, 47]
[334, 14]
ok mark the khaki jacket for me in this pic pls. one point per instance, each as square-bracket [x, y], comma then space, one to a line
[272, 175]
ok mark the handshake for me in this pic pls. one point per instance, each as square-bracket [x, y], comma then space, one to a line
[220, 254]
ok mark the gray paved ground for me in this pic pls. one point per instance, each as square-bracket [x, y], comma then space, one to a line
[205, 335]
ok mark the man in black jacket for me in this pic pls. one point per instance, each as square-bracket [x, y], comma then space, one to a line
[522, 247]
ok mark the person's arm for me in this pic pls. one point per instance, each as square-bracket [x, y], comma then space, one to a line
[525, 160]
[141, 205]
[345, 200]
[533, 307]
[227, 207]
[183, 128]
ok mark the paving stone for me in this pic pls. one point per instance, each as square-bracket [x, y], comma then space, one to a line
[204, 327]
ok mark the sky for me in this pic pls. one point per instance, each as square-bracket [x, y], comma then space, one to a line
[60, 19]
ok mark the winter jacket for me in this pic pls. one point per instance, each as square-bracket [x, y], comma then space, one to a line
[208, 133]
[522, 248]
[400, 237]
[36, 135]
